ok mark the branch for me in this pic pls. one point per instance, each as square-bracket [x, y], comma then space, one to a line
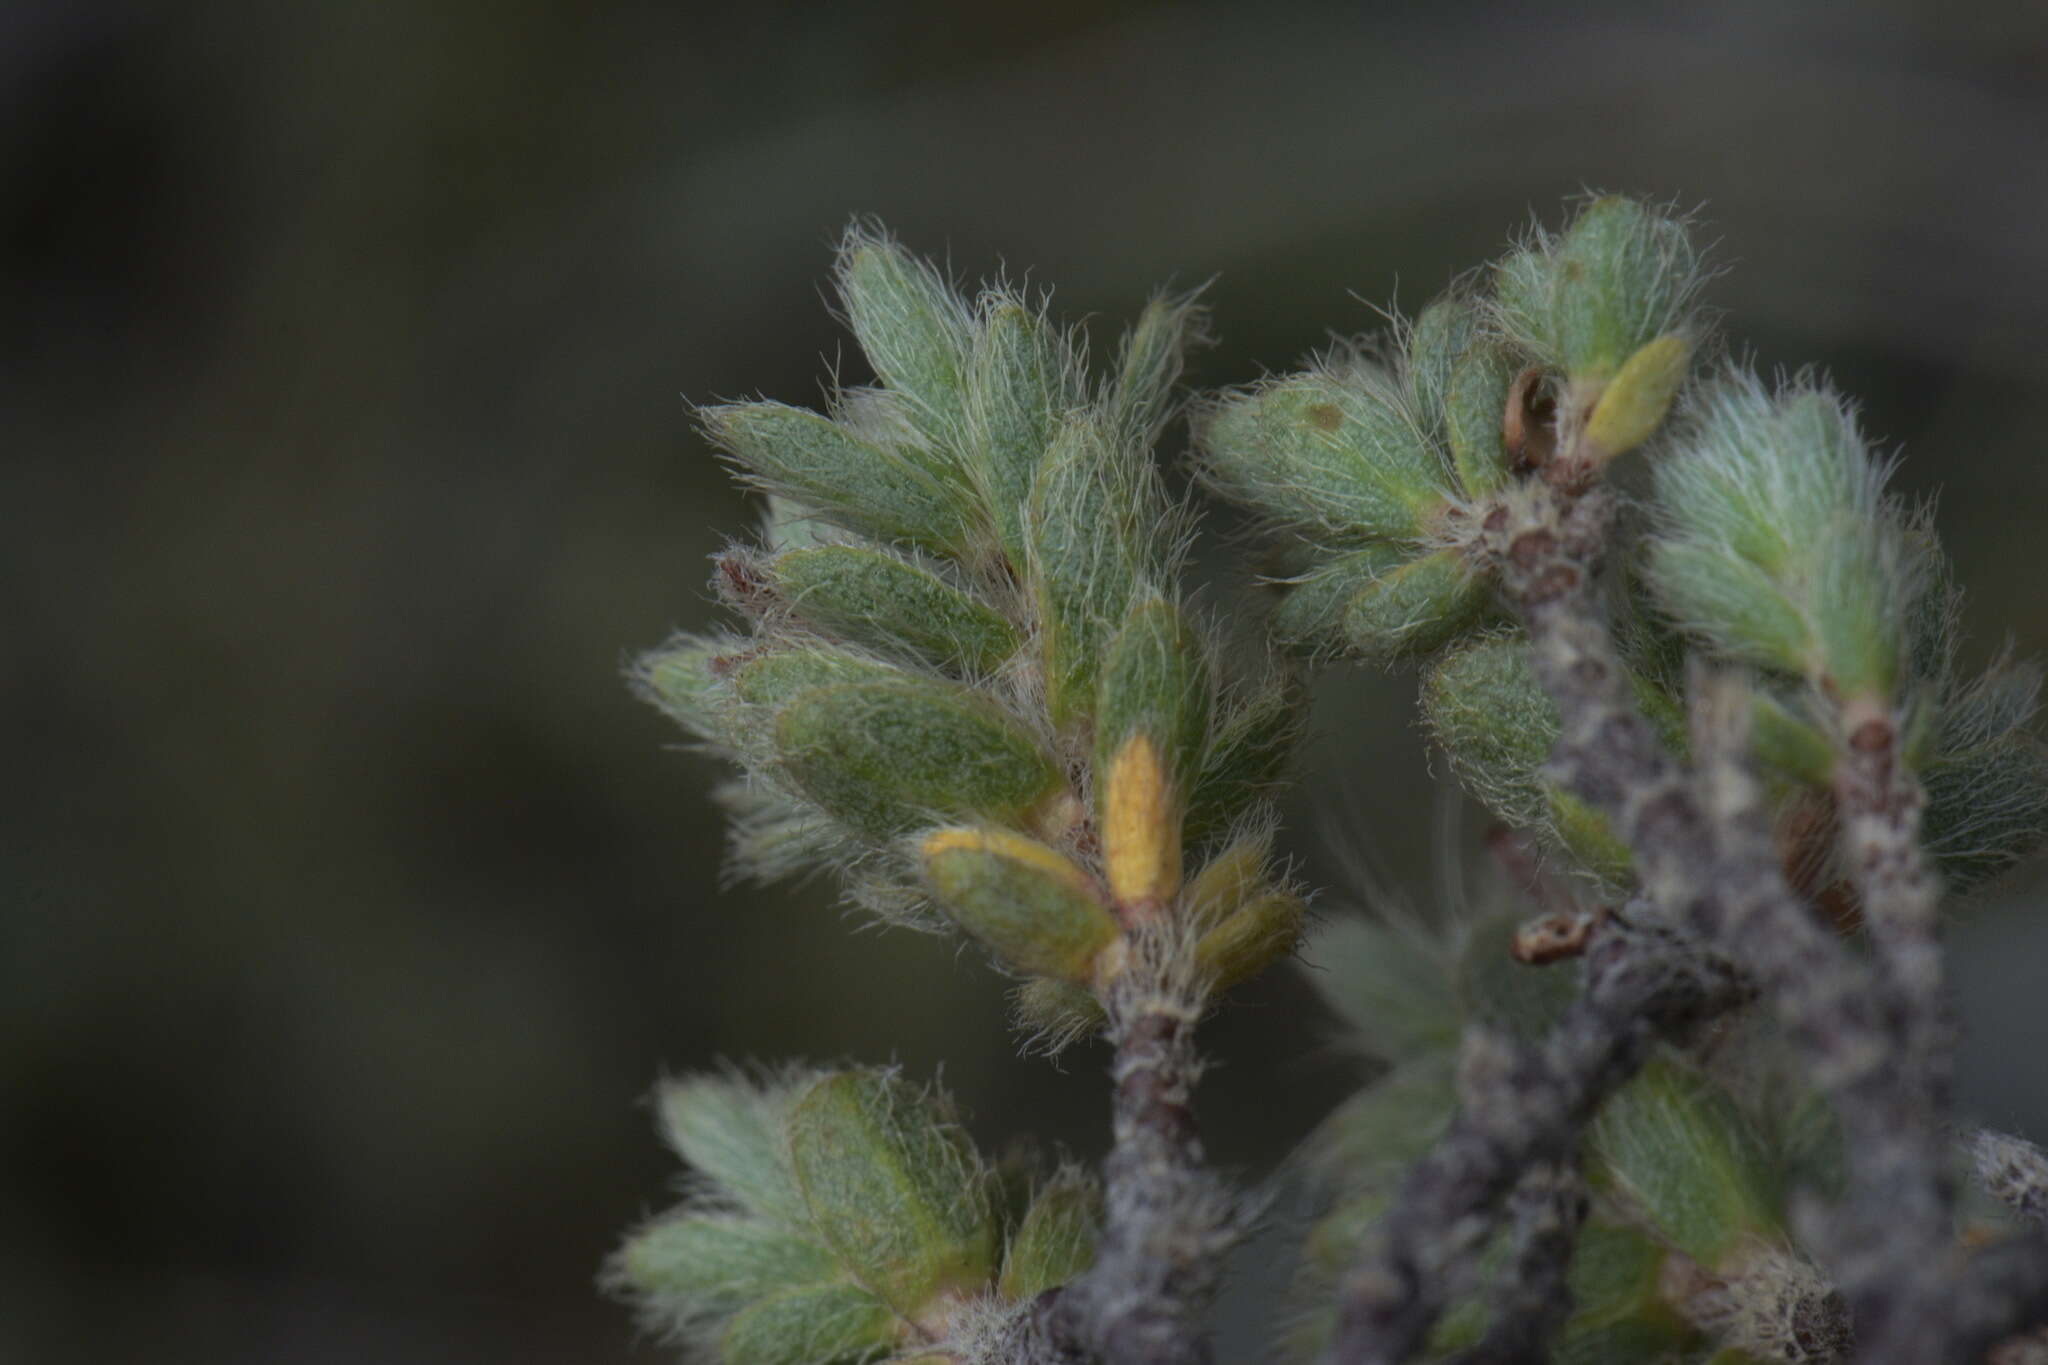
[1887, 1246]
[2014, 1172]
[1881, 803]
[1534, 1299]
[1168, 1221]
[2001, 1293]
[1521, 1107]
[1706, 859]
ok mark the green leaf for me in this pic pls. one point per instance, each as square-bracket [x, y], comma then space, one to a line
[1649, 1338]
[913, 328]
[895, 1191]
[1056, 1013]
[1394, 987]
[1776, 543]
[1030, 904]
[686, 679]
[1095, 528]
[1251, 741]
[1482, 703]
[787, 526]
[834, 1324]
[1788, 743]
[876, 598]
[1417, 609]
[730, 1130]
[1475, 409]
[1229, 880]
[1149, 364]
[1022, 383]
[771, 678]
[683, 1268]
[1633, 404]
[1056, 1240]
[888, 491]
[1440, 338]
[1683, 1154]
[1589, 838]
[1375, 1134]
[1154, 681]
[1337, 453]
[1736, 604]
[1310, 615]
[1614, 1277]
[1250, 939]
[885, 756]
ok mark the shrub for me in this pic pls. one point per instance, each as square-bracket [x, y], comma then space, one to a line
[1679, 1092]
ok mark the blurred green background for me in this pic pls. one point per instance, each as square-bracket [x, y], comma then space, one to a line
[349, 906]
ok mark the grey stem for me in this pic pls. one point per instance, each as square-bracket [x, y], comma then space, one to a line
[1705, 855]
[1167, 1221]
[1533, 1300]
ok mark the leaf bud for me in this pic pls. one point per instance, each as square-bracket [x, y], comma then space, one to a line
[1152, 719]
[1056, 1012]
[1250, 939]
[1228, 880]
[1634, 402]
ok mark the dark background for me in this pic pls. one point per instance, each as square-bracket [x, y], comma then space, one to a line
[348, 903]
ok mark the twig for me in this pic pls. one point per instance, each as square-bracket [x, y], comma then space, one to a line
[1534, 1299]
[1168, 1222]
[1707, 858]
[2002, 1292]
[1521, 1106]
[2014, 1172]
[1881, 803]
